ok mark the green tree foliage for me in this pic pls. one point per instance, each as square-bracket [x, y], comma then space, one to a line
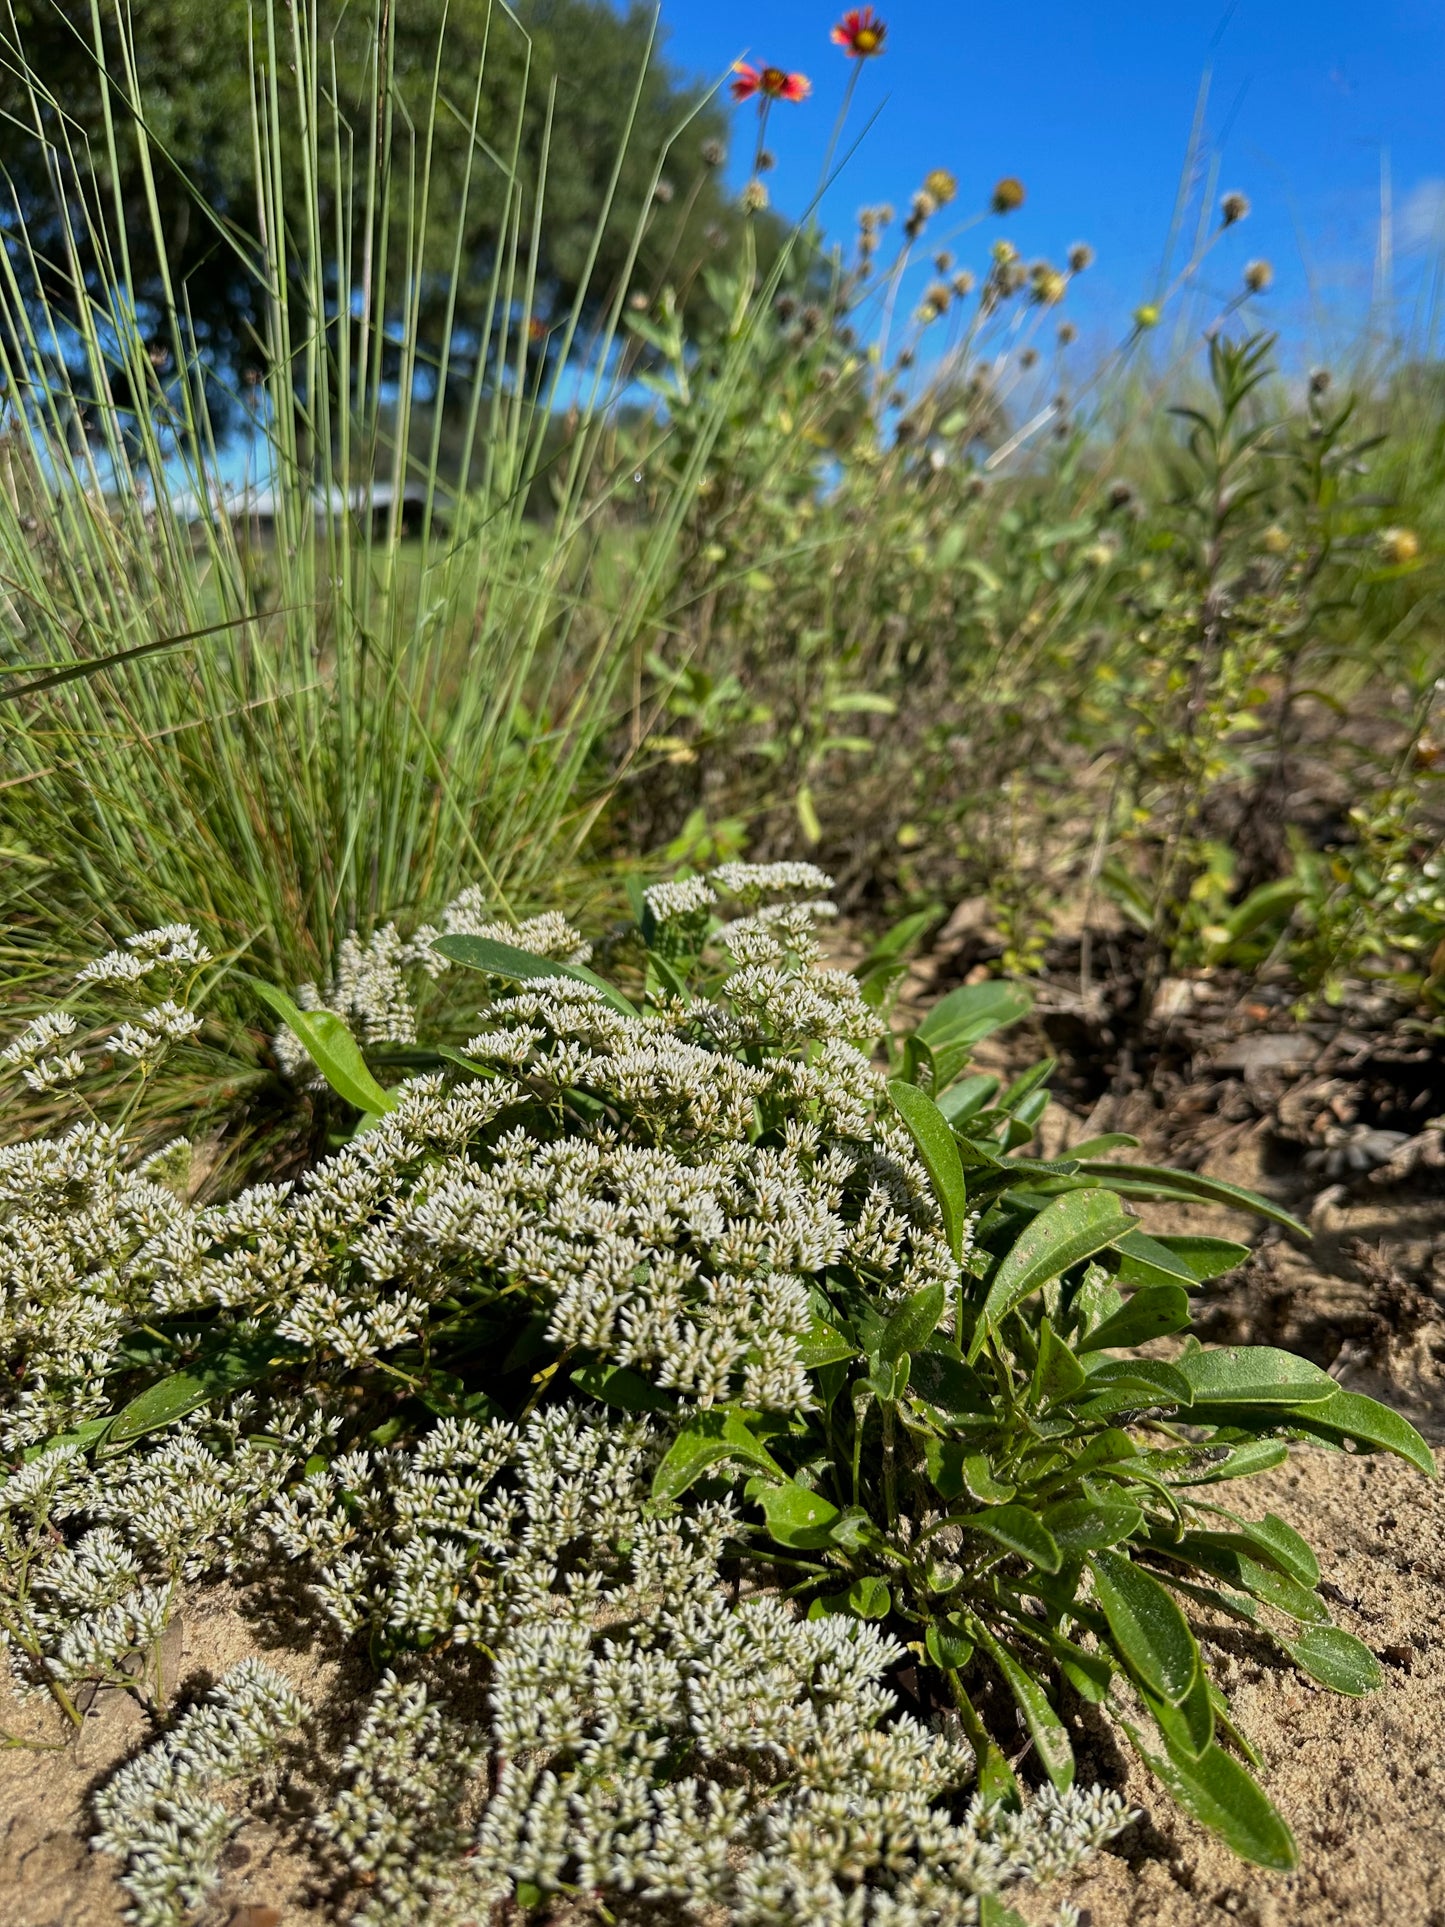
[522, 120]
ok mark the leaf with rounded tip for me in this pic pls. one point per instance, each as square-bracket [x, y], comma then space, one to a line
[1068, 1230]
[1150, 1633]
[797, 1517]
[1223, 1796]
[521, 966]
[1165, 1382]
[1284, 1547]
[1233, 1557]
[913, 1324]
[1016, 1529]
[947, 1645]
[1351, 1415]
[938, 1149]
[1336, 1659]
[972, 1012]
[709, 1439]
[1086, 1525]
[870, 1598]
[1254, 1375]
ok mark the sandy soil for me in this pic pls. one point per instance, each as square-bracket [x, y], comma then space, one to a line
[1361, 1782]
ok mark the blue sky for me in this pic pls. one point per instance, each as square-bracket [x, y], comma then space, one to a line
[1091, 106]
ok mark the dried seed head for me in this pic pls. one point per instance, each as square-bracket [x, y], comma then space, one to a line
[662, 192]
[1008, 195]
[963, 283]
[1081, 256]
[754, 197]
[940, 185]
[1257, 276]
[1067, 333]
[1320, 379]
[1234, 207]
[712, 153]
[1048, 285]
[943, 261]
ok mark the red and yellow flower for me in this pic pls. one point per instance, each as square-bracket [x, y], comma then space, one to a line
[768, 83]
[860, 33]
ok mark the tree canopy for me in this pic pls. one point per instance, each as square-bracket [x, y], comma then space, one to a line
[463, 123]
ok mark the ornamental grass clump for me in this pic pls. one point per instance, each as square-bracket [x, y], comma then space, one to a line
[736, 1467]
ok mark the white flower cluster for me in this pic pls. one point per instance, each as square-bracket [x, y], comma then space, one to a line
[656, 1739]
[684, 898]
[33, 1053]
[369, 988]
[655, 1192]
[174, 947]
[661, 1228]
[160, 1812]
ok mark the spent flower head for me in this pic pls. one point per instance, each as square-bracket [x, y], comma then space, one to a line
[1008, 195]
[1233, 208]
[1257, 276]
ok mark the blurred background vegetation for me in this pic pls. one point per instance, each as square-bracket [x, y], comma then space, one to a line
[420, 470]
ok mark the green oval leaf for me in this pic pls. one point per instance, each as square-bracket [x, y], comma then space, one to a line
[1350, 1415]
[1153, 1312]
[332, 1049]
[708, 1439]
[1223, 1796]
[938, 1149]
[913, 1324]
[1065, 1232]
[521, 966]
[870, 1598]
[1087, 1525]
[947, 1645]
[1149, 1381]
[1285, 1548]
[1336, 1659]
[1255, 1375]
[1150, 1633]
[160, 1404]
[797, 1517]
[972, 1012]
[1018, 1530]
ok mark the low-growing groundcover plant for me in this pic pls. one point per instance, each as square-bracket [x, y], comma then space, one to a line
[734, 1466]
